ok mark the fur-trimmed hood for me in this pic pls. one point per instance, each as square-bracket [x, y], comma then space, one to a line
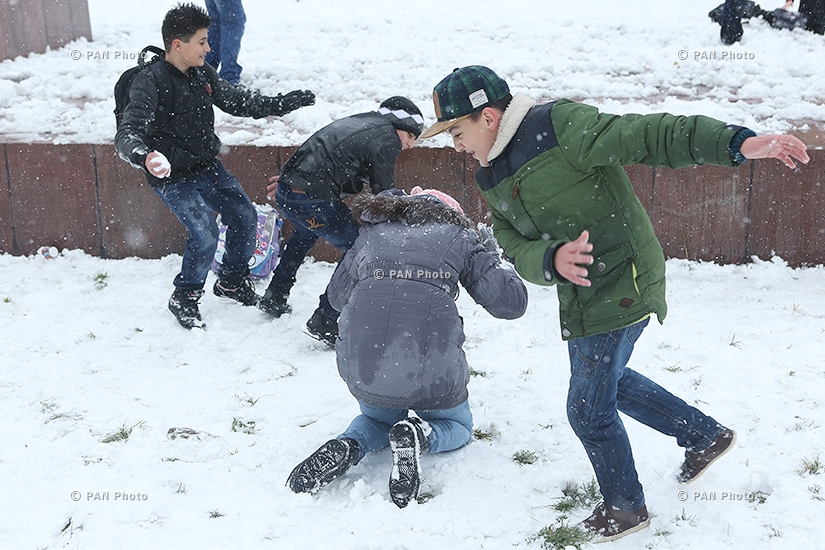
[395, 205]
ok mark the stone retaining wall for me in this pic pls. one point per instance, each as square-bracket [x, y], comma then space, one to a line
[85, 197]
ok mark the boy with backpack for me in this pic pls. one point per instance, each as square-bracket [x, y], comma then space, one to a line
[400, 346]
[552, 176]
[335, 162]
[167, 129]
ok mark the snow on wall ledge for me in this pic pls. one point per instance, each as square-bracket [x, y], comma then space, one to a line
[85, 197]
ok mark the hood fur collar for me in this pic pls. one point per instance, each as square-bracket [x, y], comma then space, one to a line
[519, 106]
[396, 206]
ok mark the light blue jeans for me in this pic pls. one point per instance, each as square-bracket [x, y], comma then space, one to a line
[601, 385]
[451, 428]
[225, 33]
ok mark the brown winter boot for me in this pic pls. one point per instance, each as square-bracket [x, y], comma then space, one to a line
[695, 464]
[606, 523]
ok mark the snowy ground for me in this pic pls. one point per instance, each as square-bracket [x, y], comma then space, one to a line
[643, 56]
[89, 351]
[90, 354]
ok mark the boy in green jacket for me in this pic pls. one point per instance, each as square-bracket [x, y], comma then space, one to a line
[552, 176]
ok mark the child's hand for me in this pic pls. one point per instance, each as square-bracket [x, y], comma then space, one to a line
[158, 165]
[775, 146]
[272, 187]
[571, 256]
[487, 238]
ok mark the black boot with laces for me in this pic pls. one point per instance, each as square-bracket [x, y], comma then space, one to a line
[242, 291]
[184, 306]
[330, 461]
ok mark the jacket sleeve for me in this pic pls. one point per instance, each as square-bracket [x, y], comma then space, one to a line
[382, 158]
[533, 259]
[589, 138]
[242, 101]
[343, 280]
[135, 127]
[495, 287]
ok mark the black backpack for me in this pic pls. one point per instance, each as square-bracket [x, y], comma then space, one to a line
[123, 84]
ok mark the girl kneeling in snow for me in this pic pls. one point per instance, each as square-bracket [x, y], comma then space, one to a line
[400, 342]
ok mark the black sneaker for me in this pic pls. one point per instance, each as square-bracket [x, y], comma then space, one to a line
[330, 461]
[606, 523]
[184, 306]
[274, 304]
[242, 291]
[409, 439]
[323, 328]
[696, 464]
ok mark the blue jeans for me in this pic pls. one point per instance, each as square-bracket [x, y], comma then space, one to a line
[312, 218]
[600, 386]
[451, 428]
[193, 202]
[225, 33]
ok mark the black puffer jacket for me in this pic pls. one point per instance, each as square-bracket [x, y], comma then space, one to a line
[340, 158]
[401, 337]
[186, 134]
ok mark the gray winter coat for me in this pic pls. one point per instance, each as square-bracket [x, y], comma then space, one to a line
[400, 334]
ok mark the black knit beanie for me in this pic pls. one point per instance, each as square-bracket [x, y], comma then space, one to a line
[403, 114]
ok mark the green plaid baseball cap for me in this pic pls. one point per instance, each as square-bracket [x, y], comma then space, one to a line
[463, 92]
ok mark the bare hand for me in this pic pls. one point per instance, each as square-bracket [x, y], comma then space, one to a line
[775, 146]
[158, 165]
[272, 187]
[571, 256]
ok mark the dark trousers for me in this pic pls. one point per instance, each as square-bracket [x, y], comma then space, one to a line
[313, 218]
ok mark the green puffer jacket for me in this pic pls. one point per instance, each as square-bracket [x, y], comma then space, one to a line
[556, 170]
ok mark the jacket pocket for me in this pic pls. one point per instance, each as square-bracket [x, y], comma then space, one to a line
[613, 293]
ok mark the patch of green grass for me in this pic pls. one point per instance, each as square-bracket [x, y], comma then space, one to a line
[485, 435]
[479, 373]
[525, 457]
[101, 281]
[674, 368]
[759, 497]
[122, 433]
[690, 520]
[424, 497]
[561, 536]
[181, 489]
[811, 466]
[583, 495]
[244, 426]
[7, 300]
[216, 514]
[802, 425]
[736, 343]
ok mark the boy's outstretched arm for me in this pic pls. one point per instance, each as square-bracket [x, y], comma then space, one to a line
[777, 146]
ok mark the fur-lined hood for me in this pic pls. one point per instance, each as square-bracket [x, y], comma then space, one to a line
[395, 205]
[511, 119]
